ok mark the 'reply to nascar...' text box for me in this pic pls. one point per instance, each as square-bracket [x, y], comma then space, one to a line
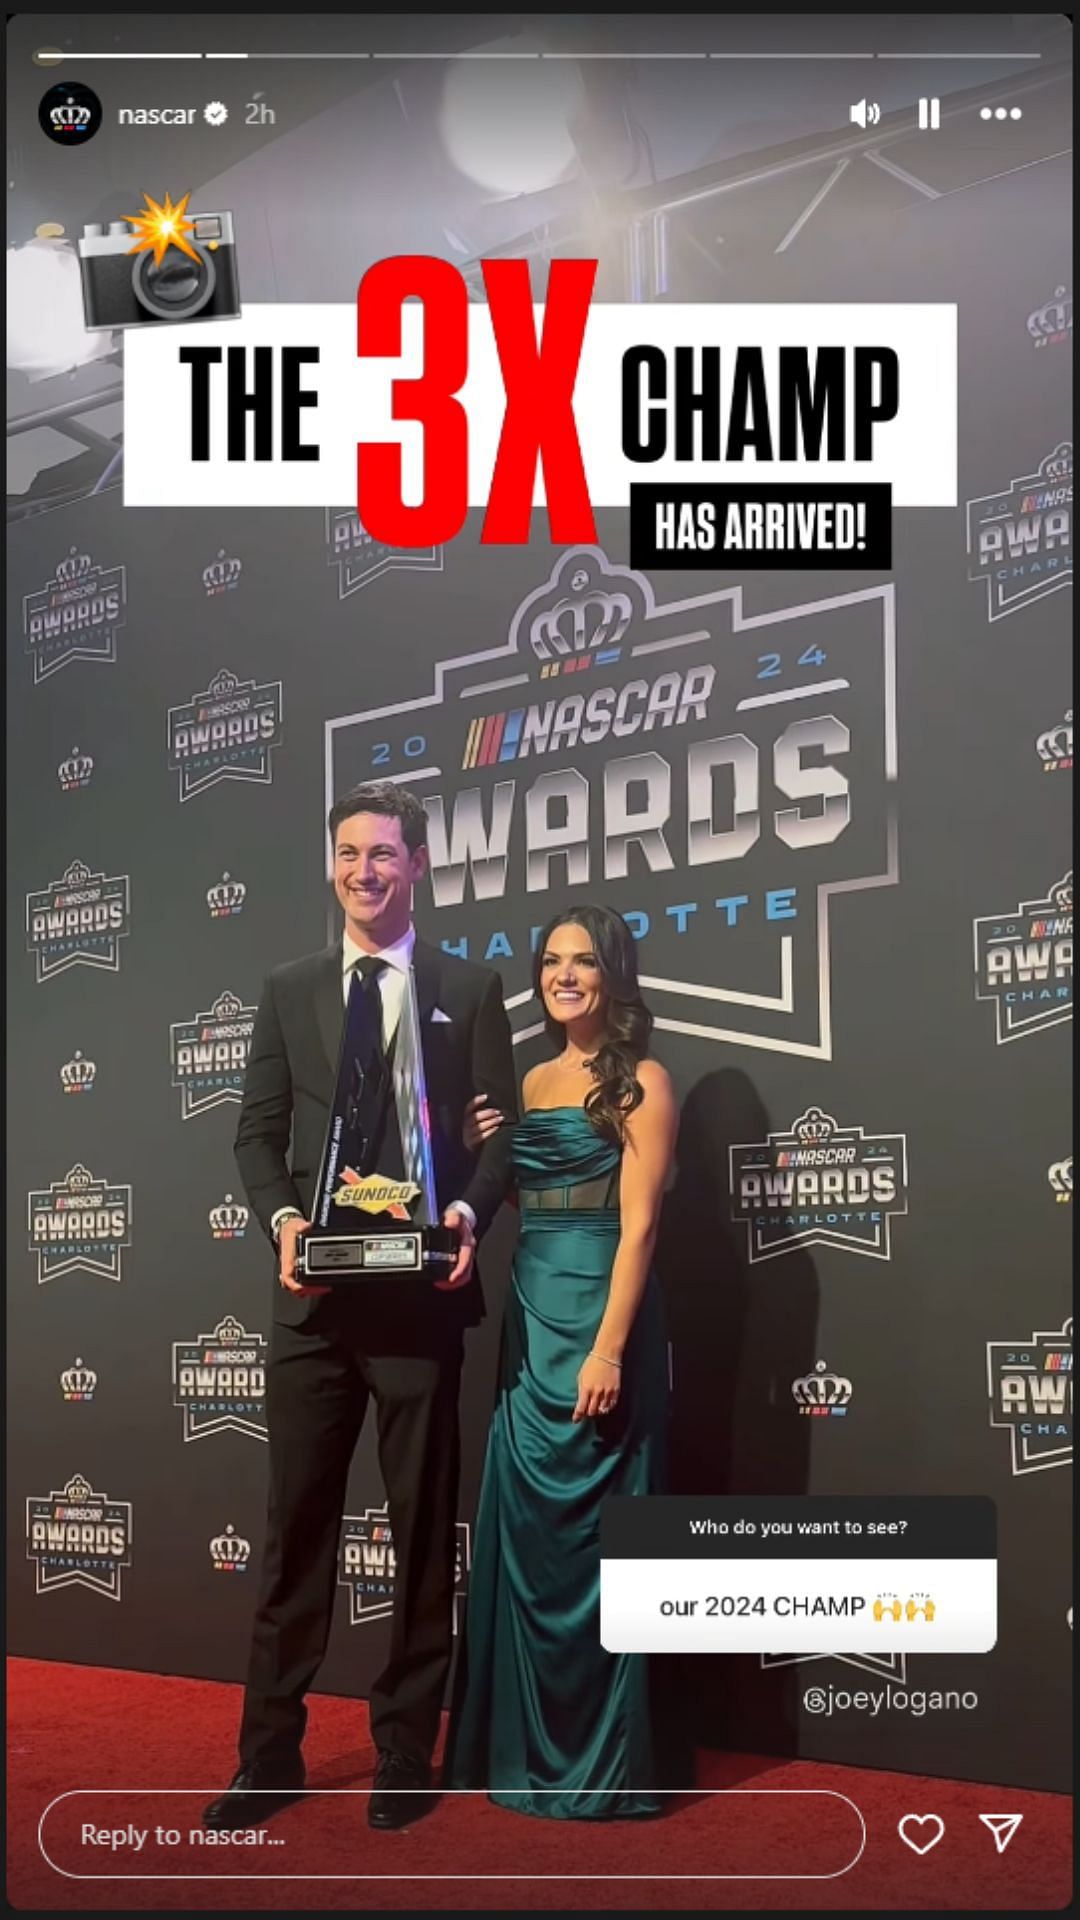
[799, 1574]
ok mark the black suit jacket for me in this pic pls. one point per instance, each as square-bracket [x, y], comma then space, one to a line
[289, 1088]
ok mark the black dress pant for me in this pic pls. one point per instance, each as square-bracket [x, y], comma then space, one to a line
[320, 1377]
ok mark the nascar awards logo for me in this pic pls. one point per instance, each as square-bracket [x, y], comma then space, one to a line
[226, 899]
[75, 772]
[219, 1381]
[1024, 963]
[210, 1054]
[1055, 747]
[75, 616]
[222, 575]
[367, 1565]
[359, 559]
[230, 1552]
[1030, 1383]
[227, 732]
[79, 1538]
[1060, 1175]
[229, 1220]
[818, 1184]
[1019, 540]
[78, 1382]
[78, 1074]
[80, 1223]
[822, 1394]
[78, 920]
[696, 759]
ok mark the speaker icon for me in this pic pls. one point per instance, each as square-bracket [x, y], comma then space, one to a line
[865, 113]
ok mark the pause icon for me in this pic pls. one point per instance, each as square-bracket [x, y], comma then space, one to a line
[929, 114]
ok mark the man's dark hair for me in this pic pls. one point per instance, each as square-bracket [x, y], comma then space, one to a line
[382, 796]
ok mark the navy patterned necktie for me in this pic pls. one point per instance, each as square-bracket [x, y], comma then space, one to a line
[364, 989]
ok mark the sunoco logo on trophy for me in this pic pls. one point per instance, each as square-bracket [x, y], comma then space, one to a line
[719, 774]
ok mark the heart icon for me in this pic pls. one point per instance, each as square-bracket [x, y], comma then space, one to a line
[932, 1828]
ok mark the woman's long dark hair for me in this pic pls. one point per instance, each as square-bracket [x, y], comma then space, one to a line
[628, 1020]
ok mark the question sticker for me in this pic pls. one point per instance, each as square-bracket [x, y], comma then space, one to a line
[809, 1573]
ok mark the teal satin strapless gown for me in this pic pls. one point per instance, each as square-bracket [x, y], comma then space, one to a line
[544, 1718]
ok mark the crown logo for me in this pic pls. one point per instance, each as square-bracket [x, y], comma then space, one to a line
[229, 1332]
[226, 897]
[79, 1489]
[75, 771]
[221, 574]
[1059, 464]
[70, 116]
[1060, 1176]
[226, 1006]
[75, 567]
[813, 1127]
[228, 1221]
[78, 1382]
[821, 1388]
[593, 617]
[78, 1075]
[77, 875]
[1056, 742]
[1055, 317]
[1061, 895]
[229, 1551]
[79, 1180]
[223, 682]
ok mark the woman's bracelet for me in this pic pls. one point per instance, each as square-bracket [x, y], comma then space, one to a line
[606, 1361]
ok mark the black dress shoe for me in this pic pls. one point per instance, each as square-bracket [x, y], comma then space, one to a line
[241, 1806]
[399, 1794]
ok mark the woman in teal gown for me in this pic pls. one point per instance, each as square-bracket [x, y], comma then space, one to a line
[544, 1718]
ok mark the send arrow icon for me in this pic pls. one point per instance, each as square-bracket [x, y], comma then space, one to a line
[1002, 1826]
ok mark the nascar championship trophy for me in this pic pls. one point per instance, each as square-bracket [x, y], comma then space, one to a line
[404, 1236]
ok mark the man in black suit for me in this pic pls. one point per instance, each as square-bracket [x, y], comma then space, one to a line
[397, 1341]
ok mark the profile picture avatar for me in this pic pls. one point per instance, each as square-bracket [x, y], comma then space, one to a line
[160, 264]
[69, 113]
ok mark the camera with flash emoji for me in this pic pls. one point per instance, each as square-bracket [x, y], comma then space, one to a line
[163, 264]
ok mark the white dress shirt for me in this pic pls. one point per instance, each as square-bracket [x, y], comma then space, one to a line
[391, 991]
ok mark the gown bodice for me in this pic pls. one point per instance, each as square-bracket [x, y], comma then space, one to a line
[562, 1164]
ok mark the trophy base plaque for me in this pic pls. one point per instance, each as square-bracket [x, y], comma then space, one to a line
[368, 1256]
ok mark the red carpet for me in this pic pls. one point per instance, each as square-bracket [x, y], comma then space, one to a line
[99, 1736]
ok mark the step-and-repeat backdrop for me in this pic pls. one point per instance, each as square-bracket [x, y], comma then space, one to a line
[834, 810]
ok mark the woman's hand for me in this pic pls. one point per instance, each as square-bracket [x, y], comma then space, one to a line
[481, 1121]
[598, 1384]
